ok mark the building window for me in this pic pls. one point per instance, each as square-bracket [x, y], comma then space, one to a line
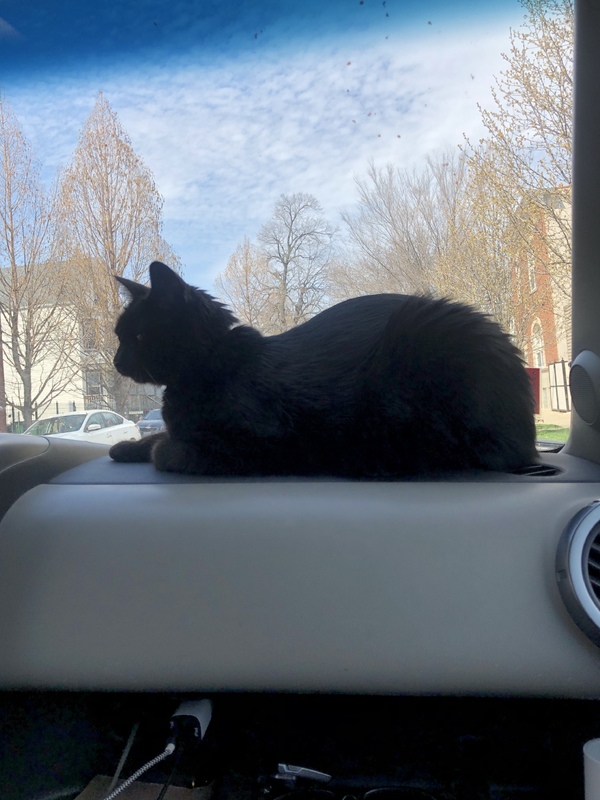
[531, 272]
[568, 328]
[545, 398]
[88, 336]
[537, 345]
[93, 382]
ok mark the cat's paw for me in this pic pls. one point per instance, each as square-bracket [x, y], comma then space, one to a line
[174, 456]
[132, 452]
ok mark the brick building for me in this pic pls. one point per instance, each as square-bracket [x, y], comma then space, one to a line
[541, 279]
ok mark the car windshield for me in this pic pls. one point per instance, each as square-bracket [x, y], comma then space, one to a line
[156, 414]
[52, 425]
[283, 156]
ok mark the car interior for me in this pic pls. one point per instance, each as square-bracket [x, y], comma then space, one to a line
[333, 639]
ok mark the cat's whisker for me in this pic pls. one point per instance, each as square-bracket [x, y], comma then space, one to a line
[152, 379]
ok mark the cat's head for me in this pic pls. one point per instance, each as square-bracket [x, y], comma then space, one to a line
[167, 327]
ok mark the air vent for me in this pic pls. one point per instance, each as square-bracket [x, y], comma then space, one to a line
[544, 446]
[538, 470]
[592, 562]
[578, 570]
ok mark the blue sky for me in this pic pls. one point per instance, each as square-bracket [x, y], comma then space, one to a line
[233, 104]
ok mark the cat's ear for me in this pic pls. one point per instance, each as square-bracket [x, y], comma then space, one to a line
[166, 284]
[134, 289]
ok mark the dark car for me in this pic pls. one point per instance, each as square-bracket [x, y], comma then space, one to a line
[153, 422]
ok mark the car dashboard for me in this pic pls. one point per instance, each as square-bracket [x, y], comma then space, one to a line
[441, 586]
[352, 627]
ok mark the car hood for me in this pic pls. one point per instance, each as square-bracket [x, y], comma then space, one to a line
[71, 435]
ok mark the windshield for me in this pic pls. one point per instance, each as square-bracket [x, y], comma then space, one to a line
[156, 414]
[396, 146]
[51, 425]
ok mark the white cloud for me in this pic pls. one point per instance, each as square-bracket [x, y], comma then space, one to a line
[223, 141]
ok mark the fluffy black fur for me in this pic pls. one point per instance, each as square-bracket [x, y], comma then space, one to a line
[382, 386]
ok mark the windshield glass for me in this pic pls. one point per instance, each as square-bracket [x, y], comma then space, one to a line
[51, 425]
[156, 414]
[398, 146]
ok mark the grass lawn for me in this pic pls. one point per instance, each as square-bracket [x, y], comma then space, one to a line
[552, 433]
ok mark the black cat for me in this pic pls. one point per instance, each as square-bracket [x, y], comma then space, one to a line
[382, 386]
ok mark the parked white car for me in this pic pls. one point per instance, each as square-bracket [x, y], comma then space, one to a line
[95, 425]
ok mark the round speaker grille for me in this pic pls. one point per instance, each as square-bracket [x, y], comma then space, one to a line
[583, 394]
[578, 570]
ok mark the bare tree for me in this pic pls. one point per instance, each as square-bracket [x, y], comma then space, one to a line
[403, 225]
[461, 224]
[112, 225]
[391, 248]
[247, 287]
[525, 159]
[39, 329]
[477, 265]
[297, 243]
[285, 278]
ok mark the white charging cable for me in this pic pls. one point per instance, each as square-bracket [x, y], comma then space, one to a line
[169, 750]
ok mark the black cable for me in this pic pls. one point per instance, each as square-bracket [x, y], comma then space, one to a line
[178, 754]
